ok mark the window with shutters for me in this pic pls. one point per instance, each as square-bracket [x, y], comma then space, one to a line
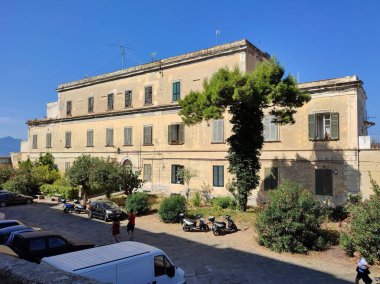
[90, 105]
[128, 136]
[34, 141]
[175, 174]
[48, 140]
[90, 138]
[218, 176]
[271, 178]
[324, 126]
[148, 95]
[110, 102]
[176, 91]
[271, 130]
[128, 98]
[67, 139]
[176, 134]
[109, 137]
[324, 182]
[68, 108]
[147, 172]
[218, 131]
[148, 131]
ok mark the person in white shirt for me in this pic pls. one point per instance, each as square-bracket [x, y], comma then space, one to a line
[362, 269]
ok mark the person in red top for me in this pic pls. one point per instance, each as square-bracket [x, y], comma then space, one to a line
[115, 229]
[131, 223]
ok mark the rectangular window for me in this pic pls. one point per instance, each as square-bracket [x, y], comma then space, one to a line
[176, 178]
[34, 141]
[218, 131]
[324, 182]
[67, 139]
[148, 95]
[90, 104]
[128, 136]
[67, 166]
[148, 135]
[68, 108]
[110, 102]
[324, 126]
[176, 134]
[90, 138]
[128, 98]
[109, 137]
[218, 176]
[271, 178]
[271, 132]
[48, 140]
[176, 91]
[147, 172]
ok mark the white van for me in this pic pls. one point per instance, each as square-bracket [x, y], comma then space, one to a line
[125, 262]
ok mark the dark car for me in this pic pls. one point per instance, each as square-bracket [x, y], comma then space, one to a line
[10, 198]
[33, 246]
[106, 210]
[8, 223]
[6, 232]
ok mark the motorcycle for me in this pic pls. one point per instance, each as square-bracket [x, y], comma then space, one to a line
[189, 224]
[221, 228]
[73, 207]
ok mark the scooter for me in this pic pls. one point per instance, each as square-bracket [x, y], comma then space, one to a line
[191, 224]
[78, 207]
[221, 228]
[73, 207]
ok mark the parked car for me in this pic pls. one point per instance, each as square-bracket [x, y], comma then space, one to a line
[106, 210]
[6, 232]
[33, 246]
[10, 198]
[8, 223]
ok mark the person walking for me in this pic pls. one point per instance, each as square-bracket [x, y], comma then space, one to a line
[362, 269]
[131, 224]
[115, 229]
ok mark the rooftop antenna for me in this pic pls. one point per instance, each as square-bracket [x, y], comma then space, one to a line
[217, 34]
[122, 52]
[298, 77]
[153, 55]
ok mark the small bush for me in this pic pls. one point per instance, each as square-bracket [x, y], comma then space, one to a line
[338, 213]
[197, 199]
[119, 200]
[291, 221]
[67, 192]
[364, 231]
[138, 202]
[223, 202]
[171, 207]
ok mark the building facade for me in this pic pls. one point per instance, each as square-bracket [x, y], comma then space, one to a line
[131, 116]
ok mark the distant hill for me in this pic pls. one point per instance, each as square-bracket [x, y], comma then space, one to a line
[9, 144]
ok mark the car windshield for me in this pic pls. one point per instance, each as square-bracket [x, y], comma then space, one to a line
[110, 205]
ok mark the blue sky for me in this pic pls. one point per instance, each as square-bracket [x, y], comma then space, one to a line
[44, 43]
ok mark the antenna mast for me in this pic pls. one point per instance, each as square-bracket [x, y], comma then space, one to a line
[122, 52]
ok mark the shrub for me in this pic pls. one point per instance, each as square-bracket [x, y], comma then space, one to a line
[138, 202]
[364, 231]
[118, 199]
[223, 202]
[67, 192]
[338, 213]
[291, 221]
[23, 183]
[197, 199]
[5, 174]
[171, 207]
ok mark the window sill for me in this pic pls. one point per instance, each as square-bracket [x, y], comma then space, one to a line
[67, 147]
[110, 146]
[272, 141]
[90, 146]
[323, 140]
[218, 186]
[147, 144]
[149, 104]
[127, 107]
[128, 145]
[224, 142]
[175, 143]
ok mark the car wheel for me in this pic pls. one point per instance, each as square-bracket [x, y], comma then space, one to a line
[28, 201]
[3, 204]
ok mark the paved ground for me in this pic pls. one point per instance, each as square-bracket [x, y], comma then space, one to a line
[234, 258]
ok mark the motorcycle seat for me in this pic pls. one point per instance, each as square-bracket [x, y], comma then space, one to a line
[220, 224]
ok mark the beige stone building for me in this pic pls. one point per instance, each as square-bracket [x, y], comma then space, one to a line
[132, 116]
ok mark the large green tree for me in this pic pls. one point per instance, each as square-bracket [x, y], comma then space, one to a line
[105, 177]
[245, 96]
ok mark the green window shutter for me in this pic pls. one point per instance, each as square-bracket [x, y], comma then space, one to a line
[90, 138]
[147, 135]
[324, 182]
[91, 104]
[334, 125]
[128, 136]
[174, 174]
[68, 107]
[128, 98]
[109, 137]
[312, 131]
[148, 95]
[181, 134]
[48, 140]
[170, 134]
[68, 139]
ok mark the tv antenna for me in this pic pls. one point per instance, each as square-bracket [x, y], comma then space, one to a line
[153, 55]
[122, 47]
[217, 35]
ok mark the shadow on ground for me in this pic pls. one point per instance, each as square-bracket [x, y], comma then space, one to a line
[214, 263]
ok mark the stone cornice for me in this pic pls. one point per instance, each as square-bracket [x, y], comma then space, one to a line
[37, 122]
[188, 58]
[331, 85]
